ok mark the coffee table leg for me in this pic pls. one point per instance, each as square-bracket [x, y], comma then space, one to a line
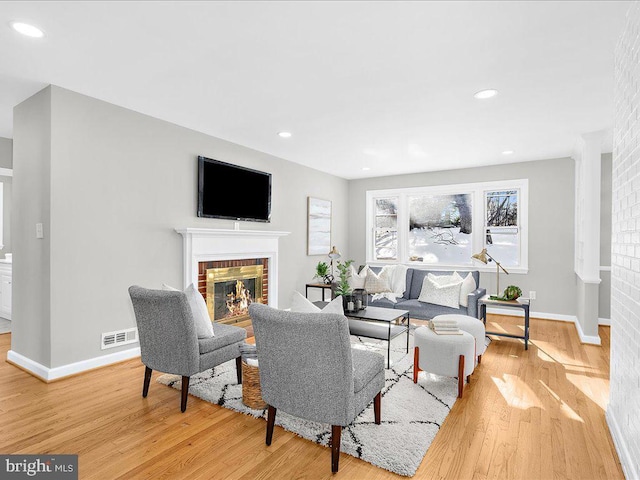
[389, 347]
[408, 330]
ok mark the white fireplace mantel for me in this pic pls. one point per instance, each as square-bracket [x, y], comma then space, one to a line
[210, 244]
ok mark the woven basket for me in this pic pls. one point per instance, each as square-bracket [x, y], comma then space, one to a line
[251, 394]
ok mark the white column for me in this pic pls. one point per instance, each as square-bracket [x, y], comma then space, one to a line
[587, 233]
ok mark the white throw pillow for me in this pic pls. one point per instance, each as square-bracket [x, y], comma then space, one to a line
[301, 304]
[468, 286]
[377, 283]
[445, 295]
[357, 280]
[199, 310]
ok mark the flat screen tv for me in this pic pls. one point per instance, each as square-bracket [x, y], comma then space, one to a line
[233, 192]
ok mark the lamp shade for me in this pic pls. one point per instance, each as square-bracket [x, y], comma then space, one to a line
[334, 253]
[482, 256]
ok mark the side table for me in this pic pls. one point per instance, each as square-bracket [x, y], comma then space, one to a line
[323, 286]
[520, 303]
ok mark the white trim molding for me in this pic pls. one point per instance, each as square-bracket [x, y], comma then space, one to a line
[588, 339]
[629, 464]
[50, 374]
[604, 321]
[209, 244]
[6, 172]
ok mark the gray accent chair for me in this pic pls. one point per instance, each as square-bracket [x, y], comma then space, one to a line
[308, 369]
[168, 339]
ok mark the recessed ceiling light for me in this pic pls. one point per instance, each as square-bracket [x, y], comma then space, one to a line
[484, 94]
[284, 134]
[508, 152]
[366, 168]
[28, 30]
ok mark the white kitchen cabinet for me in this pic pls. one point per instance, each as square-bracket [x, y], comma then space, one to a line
[5, 289]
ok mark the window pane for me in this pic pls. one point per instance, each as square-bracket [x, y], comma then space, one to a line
[386, 246]
[386, 229]
[502, 208]
[440, 228]
[504, 246]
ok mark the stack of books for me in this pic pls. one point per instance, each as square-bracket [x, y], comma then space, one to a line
[445, 327]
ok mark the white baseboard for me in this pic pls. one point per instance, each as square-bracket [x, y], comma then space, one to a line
[589, 339]
[49, 374]
[604, 321]
[629, 465]
[545, 316]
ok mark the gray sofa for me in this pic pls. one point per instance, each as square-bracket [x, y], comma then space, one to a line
[426, 311]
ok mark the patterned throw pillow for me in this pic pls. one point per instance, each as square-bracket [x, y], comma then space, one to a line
[446, 295]
[380, 283]
[468, 284]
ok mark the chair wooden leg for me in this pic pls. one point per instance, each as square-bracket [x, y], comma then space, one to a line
[147, 379]
[271, 421]
[185, 393]
[416, 368]
[460, 376]
[479, 359]
[376, 407]
[239, 369]
[336, 432]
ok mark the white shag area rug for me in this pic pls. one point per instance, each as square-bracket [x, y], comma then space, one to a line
[411, 413]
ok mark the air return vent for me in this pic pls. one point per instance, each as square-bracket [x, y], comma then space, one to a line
[121, 337]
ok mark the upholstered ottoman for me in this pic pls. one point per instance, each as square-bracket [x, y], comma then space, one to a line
[448, 355]
[470, 325]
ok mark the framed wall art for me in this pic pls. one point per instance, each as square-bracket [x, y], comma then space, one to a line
[318, 226]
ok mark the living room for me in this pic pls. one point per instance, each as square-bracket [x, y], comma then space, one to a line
[110, 180]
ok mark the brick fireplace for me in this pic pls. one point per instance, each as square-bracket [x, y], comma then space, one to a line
[232, 256]
[230, 286]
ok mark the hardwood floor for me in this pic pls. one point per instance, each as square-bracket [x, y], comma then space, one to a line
[526, 414]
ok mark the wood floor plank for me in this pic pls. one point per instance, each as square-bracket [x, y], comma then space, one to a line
[526, 414]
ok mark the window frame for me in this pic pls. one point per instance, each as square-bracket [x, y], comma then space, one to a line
[478, 193]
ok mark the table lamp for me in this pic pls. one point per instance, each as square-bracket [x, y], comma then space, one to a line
[482, 257]
[334, 254]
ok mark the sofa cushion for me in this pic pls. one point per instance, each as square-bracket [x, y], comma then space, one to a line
[426, 311]
[382, 302]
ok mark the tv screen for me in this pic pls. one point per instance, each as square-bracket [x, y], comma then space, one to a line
[233, 192]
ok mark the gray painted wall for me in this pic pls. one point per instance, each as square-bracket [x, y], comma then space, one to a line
[120, 183]
[31, 327]
[551, 203]
[604, 304]
[6, 161]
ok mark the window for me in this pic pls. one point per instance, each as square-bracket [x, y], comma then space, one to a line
[440, 228]
[446, 225]
[386, 229]
[502, 230]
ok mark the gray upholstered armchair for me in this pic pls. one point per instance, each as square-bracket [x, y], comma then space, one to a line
[168, 339]
[308, 369]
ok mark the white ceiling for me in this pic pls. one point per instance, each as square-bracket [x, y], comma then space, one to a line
[387, 85]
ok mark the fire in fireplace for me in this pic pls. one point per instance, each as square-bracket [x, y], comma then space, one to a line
[231, 290]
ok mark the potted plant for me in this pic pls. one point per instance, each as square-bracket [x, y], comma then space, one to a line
[343, 288]
[322, 273]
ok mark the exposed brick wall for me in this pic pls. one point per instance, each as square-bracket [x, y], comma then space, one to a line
[622, 412]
